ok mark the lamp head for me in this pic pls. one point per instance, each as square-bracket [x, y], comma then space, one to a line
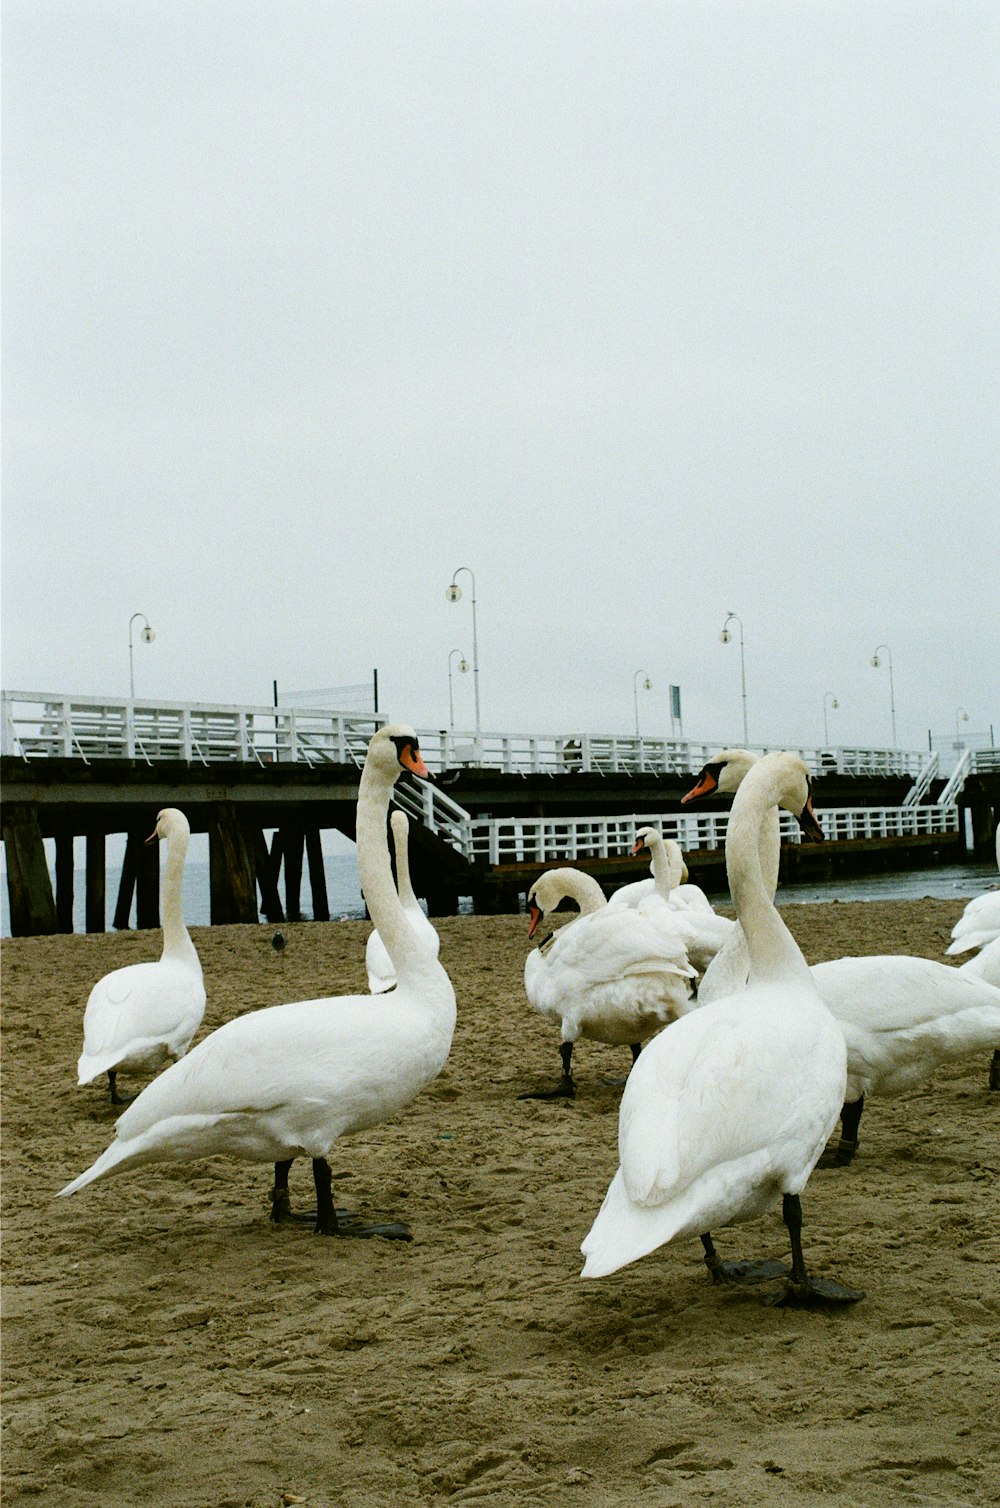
[725, 636]
[463, 666]
[147, 636]
[876, 661]
[454, 592]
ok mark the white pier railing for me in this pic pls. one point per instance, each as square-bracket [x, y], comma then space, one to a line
[536, 840]
[45, 725]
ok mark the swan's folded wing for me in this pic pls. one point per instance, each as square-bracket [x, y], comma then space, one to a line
[713, 1069]
[897, 993]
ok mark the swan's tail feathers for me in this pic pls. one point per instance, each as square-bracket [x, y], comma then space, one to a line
[118, 1152]
[624, 1231]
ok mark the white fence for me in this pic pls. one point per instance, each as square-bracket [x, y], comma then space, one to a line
[40, 725]
[549, 840]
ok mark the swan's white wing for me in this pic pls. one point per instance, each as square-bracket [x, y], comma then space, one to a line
[138, 1008]
[978, 925]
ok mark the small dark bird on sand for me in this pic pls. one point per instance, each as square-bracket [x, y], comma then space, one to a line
[278, 942]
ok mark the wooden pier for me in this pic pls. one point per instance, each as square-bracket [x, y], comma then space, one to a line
[236, 804]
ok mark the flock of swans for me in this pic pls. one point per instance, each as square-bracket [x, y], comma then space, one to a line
[743, 1057]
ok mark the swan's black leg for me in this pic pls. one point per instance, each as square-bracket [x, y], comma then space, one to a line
[801, 1289]
[334, 1222]
[738, 1272]
[326, 1215]
[116, 1098]
[281, 1207]
[565, 1089]
[995, 1070]
[843, 1153]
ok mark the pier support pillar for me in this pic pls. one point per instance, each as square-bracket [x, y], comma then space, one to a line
[64, 881]
[141, 876]
[231, 873]
[317, 875]
[266, 866]
[95, 902]
[292, 844]
[29, 887]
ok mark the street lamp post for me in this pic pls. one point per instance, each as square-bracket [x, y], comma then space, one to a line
[724, 638]
[463, 666]
[961, 716]
[147, 636]
[647, 685]
[876, 662]
[453, 594]
[828, 698]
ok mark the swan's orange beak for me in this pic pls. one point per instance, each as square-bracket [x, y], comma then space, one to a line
[707, 783]
[153, 837]
[809, 823]
[536, 917]
[638, 846]
[409, 758]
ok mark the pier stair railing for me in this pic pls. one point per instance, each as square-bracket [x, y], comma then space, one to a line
[922, 784]
[951, 792]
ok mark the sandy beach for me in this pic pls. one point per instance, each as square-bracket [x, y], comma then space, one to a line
[165, 1344]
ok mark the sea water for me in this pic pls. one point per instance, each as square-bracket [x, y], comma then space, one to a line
[947, 882]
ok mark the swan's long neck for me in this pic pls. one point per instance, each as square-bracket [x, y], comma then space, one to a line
[667, 863]
[585, 890]
[401, 843]
[410, 957]
[773, 952]
[177, 943]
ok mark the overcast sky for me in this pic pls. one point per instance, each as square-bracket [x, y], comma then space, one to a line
[646, 312]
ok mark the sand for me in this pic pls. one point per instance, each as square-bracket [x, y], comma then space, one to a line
[165, 1344]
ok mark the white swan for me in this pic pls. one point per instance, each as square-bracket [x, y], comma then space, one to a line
[138, 1017]
[979, 923]
[288, 1081]
[381, 974]
[609, 975]
[730, 1108]
[667, 866]
[903, 1017]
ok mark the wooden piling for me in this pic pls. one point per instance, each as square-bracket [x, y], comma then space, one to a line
[95, 900]
[317, 875]
[64, 881]
[232, 880]
[29, 886]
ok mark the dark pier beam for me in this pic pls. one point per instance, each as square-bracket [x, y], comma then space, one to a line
[95, 902]
[126, 887]
[29, 886]
[141, 878]
[231, 870]
[64, 881]
[317, 875]
[984, 828]
[292, 844]
[147, 880]
[266, 867]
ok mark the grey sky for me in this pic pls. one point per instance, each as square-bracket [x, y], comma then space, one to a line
[645, 312]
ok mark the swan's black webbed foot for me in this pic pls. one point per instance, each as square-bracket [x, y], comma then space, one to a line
[350, 1224]
[564, 1090]
[814, 1293]
[739, 1272]
[801, 1291]
[334, 1222]
[995, 1070]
